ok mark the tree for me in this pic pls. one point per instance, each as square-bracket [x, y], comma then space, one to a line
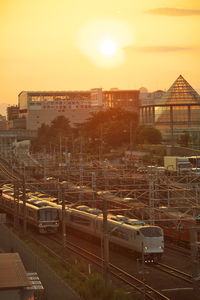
[42, 138]
[110, 128]
[60, 128]
[148, 134]
[51, 135]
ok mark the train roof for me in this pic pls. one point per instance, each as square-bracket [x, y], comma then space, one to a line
[34, 203]
[82, 207]
[95, 211]
[134, 222]
[175, 213]
[119, 220]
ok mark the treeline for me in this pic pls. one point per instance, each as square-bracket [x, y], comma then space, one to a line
[103, 131]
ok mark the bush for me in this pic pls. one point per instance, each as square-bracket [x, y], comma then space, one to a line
[94, 288]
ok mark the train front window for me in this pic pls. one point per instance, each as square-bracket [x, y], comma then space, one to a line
[48, 214]
[151, 231]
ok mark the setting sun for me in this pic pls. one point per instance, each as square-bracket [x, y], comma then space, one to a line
[103, 41]
[108, 47]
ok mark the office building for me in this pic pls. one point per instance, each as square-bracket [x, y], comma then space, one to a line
[36, 108]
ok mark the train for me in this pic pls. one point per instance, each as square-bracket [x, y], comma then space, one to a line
[131, 234]
[44, 218]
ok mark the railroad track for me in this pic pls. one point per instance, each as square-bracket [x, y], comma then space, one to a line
[174, 272]
[178, 249]
[131, 282]
[7, 173]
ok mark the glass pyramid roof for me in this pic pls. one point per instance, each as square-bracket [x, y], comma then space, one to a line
[180, 92]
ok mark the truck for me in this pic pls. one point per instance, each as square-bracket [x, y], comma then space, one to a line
[177, 165]
[195, 161]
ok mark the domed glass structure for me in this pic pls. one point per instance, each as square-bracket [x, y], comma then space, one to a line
[176, 112]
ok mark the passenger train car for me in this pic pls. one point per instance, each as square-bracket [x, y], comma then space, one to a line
[41, 216]
[127, 233]
[131, 234]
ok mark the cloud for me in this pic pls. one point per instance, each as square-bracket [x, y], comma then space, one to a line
[152, 49]
[174, 11]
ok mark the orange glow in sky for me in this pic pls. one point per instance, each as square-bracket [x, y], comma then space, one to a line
[79, 45]
[103, 41]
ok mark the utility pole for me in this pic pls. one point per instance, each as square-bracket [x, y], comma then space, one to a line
[101, 143]
[143, 273]
[81, 172]
[66, 151]
[16, 205]
[73, 146]
[172, 126]
[60, 148]
[105, 241]
[151, 199]
[24, 205]
[62, 200]
[195, 261]
[131, 135]
[93, 189]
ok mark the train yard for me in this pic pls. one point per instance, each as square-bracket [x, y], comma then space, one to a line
[169, 202]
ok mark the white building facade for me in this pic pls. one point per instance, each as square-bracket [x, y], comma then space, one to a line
[39, 108]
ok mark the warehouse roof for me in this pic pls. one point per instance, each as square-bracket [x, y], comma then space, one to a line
[13, 273]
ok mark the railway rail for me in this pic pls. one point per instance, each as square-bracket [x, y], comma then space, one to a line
[7, 173]
[174, 272]
[127, 279]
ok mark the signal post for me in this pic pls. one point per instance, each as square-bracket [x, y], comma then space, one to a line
[195, 250]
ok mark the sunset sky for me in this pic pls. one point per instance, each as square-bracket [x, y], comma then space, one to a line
[79, 45]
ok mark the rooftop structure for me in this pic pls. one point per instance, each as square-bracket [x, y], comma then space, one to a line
[13, 274]
[15, 282]
[176, 112]
[147, 98]
[12, 112]
[180, 92]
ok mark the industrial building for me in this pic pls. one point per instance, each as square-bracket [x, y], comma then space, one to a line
[3, 123]
[15, 282]
[147, 98]
[126, 99]
[36, 108]
[175, 113]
